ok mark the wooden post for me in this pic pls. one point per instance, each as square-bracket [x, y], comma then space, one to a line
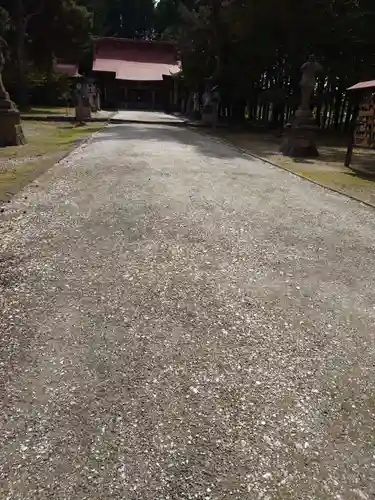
[353, 125]
[349, 151]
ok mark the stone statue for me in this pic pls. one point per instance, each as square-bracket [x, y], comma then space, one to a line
[211, 101]
[300, 136]
[83, 109]
[309, 73]
[11, 133]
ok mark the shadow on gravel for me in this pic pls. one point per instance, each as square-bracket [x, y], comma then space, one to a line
[130, 132]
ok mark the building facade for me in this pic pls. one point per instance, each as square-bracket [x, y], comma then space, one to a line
[135, 74]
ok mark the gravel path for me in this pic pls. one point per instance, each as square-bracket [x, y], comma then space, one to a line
[147, 117]
[183, 322]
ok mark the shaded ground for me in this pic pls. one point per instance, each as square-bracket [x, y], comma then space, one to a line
[49, 110]
[183, 322]
[46, 144]
[328, 169]
[53, 111]
[147, 117]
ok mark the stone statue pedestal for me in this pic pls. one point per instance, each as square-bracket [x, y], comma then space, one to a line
[83, 109]
[210, 109]
[300, 136]
[83, 113]
[11, 133]
[208, 115]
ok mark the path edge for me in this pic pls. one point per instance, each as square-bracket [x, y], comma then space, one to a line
[301, 176]
[81, 142]
[77, 144]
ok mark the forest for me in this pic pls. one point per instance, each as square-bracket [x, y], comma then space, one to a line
[252, 49]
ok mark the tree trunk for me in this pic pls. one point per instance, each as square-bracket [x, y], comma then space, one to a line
[20, 28]
[50, 83]
[337, 108]
[344, 107]
[318, 114]
[189, 105]
[278, 112]
[319, 103]
[217, 35]
[331, 116]
[349, 117]
[325, 114]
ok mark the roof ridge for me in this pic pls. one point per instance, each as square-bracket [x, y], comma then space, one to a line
[135, 41]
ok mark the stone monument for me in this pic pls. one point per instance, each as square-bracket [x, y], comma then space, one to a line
[11, 133]
[300, 135]
[210, 109]
[82, 108]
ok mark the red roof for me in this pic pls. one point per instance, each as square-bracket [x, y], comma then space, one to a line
[363, 85]
[136, 60]
[67, 69]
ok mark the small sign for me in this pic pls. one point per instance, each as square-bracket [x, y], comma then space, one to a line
[364, 129]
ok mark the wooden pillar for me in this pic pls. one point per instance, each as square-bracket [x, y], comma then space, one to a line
[175, 94]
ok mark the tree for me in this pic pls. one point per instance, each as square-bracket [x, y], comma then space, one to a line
[39, 29]
[254, 45]
[167, 17]
[4, 22]
[62, 30]
[123, 18]
[20, 12]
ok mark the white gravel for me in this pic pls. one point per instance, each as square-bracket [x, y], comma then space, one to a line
[183, 322]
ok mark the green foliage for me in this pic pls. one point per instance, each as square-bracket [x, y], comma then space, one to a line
[122, 18]
[238, 41]
[4, 22]
[247, 46]
[40, 31]
[62, 30]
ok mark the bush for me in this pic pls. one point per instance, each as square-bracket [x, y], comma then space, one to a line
[49, 90]
[43, 89]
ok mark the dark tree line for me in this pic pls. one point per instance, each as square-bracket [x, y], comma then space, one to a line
[40, 32]
[252, 48]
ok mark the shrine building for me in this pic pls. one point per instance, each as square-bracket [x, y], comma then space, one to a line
[135, 74]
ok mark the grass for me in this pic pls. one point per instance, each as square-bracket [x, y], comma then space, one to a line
[46, 144]
[328, 169]
[48, 111]
[345, 182]
[60, 112]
